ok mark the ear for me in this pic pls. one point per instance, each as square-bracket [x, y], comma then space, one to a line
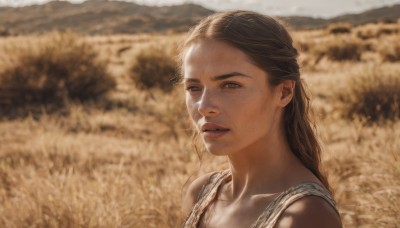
[286, 90]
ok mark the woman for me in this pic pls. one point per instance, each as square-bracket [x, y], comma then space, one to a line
[246, 99]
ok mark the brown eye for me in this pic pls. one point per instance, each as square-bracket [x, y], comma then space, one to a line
[193, 88]
[231, 85]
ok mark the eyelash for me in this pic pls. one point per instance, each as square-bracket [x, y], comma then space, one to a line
[191, 87]
[223, 86]
[231, 83]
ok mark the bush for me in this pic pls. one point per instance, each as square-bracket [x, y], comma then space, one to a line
[390, 49]
[388, 20]
[5, 32]
[373, 93]
[302, 45]
[154, 68]
[386, 31]
[367, 34]
[53, 70]
[339, 49]
[339, 28]
[377, 31]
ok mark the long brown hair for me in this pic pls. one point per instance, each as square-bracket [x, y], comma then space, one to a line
[269, 45]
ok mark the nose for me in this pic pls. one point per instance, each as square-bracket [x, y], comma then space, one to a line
[207, 105]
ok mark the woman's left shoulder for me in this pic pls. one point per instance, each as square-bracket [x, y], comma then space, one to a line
[310, 211]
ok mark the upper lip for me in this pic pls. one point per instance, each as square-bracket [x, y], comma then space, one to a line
[211, 126]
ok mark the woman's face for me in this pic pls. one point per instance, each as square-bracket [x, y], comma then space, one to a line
[228, 98]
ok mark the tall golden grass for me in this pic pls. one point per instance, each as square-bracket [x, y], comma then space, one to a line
[125, 161]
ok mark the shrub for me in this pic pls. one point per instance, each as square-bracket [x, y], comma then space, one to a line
[386, 31]
[339, 49]
[154, 68]
[5, 32]
[366, 34]
[390, 49]
[377, 31]
[339, 28]
[373, 93]
[388, 20]
[303, 46]
[55, 69]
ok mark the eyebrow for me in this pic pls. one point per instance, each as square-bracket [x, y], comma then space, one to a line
[219, 77]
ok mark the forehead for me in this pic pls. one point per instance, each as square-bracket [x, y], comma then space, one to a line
[215, 57]
[212, 47]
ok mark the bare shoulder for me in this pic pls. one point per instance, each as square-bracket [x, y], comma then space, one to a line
[310, 211]
[193, 192]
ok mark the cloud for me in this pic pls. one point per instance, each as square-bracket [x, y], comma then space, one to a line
[296, 9]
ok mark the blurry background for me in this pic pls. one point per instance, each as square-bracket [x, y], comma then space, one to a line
[93, 134]
[314, 8]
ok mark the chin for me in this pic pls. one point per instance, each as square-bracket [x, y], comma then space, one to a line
[216, 153]
[217, 150]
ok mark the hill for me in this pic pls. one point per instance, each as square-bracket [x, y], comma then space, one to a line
[388, 13]
[100, 17]
[110, 17]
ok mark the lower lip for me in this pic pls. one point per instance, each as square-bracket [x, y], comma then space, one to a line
[214, 134]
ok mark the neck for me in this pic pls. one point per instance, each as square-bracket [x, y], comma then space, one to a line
[267, 167]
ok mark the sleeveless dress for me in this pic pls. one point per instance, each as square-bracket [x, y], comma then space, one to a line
[270, 215]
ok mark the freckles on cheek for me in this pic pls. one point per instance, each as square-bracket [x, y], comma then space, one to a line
[254, 110]
[190, 108]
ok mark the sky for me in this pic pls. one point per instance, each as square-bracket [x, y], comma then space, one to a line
[314, 8]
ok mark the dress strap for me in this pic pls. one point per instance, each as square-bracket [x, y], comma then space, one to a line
[206, 196]
[273, 211]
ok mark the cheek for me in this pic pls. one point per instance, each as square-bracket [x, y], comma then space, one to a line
[190, 107]
[255, 112]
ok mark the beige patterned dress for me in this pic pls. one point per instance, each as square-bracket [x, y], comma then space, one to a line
[270, 215]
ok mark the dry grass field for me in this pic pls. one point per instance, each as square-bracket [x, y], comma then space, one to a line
[124, 159]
